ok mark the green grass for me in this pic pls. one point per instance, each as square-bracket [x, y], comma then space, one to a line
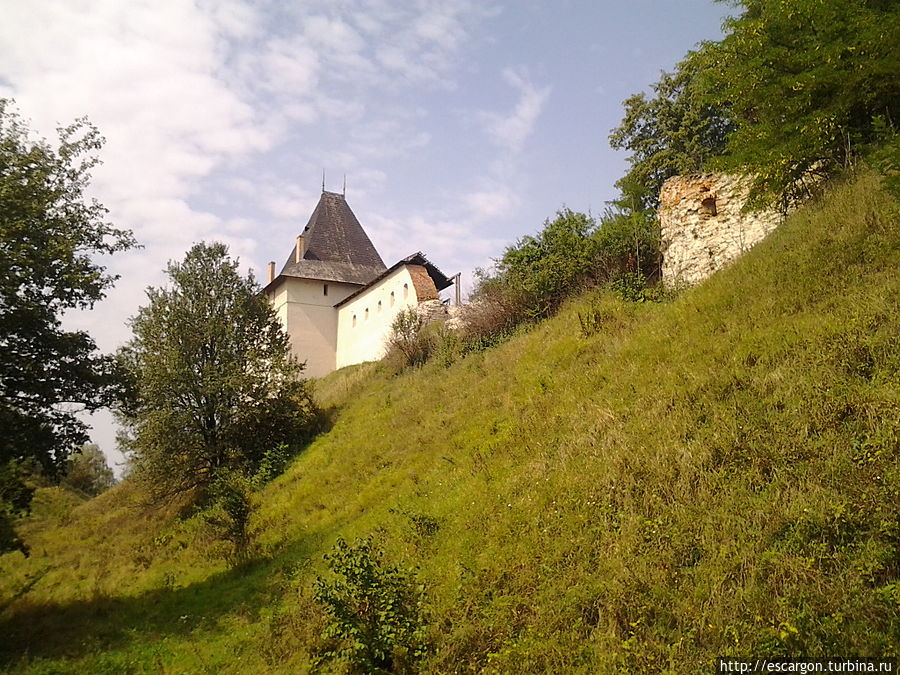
[712, 476]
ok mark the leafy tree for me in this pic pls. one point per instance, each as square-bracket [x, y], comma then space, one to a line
[541, 271]
[213, 383]
[628, 243]
[87, 471]
[804, 82]
[675, 132]
[50, 235]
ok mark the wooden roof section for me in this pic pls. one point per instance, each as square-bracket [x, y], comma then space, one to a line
[336, 246]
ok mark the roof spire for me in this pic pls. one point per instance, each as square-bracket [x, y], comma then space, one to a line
[323, 180]
[344, 193]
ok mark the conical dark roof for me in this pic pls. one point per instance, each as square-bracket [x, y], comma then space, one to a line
[337, 247]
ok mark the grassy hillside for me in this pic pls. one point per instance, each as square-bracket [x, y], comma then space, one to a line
[712, 476]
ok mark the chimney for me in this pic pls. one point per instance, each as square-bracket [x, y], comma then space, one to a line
[271, 271]
[300, 250]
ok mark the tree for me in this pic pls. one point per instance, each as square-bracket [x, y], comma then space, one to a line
[213, 384]
[50, 234]
[87, 471]
[805, 82]
[541, 271]
[673, 133]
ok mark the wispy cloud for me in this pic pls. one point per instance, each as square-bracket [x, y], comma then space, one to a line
[510, 131]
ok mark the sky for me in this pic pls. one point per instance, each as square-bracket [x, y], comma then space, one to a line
[460, 125]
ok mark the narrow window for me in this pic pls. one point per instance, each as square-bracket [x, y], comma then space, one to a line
[324, 289]
[405, 291]
[392, 298]
[354, 320]
[379, 306]
[366, 315]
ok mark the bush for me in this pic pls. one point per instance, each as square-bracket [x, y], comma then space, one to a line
[542, 271]
[570, 253]
[627, 243]
[228, 513]
[409, 343]
[375, 612]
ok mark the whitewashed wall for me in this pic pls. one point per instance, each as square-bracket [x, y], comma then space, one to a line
[309, 317]
[364, 323]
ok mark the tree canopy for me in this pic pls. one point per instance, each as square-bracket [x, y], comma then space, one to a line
[213, 384]
[804, 82]
[791, 94]
[50, 237]
[674, 132]
[87, 471]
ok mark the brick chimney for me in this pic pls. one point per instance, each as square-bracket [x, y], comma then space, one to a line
[271, 271]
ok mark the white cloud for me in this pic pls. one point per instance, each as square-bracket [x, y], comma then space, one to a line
[510, 131]
[494, 203]
[214, 110]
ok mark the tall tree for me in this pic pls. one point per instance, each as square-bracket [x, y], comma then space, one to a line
[214, 384]
[87, 471]
[674, 132]
[50, 235]
[792, 93]
[806, 84]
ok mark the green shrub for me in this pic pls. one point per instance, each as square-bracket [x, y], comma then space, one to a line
[228, 512]
[409, 344]
[543, 270]
[627, 242]
[375, 611]
[571, 252]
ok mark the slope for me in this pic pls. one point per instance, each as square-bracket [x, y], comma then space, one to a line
[708, 477]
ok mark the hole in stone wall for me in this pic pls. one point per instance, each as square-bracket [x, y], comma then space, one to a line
[709, 206]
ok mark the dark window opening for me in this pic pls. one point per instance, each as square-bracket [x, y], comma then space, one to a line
[709, 206]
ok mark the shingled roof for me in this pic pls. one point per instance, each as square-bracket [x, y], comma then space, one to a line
[337, 247]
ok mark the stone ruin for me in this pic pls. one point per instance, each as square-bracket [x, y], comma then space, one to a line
[702, 225]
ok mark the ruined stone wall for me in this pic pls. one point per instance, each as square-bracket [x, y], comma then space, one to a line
[702, 226]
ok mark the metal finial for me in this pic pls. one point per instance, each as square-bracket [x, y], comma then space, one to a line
[323, 180]
[344, 193]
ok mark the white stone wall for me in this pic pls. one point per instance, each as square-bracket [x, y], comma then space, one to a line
[702, 226]
[364, 323]
[310, 319]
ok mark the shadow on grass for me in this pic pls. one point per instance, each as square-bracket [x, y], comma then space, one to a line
[33, 630]
[70, 630]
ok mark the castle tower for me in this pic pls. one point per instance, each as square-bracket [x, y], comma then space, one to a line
[332, 258]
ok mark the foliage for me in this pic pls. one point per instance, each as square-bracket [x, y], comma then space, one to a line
[50, 237]
[803, 82]
[884, 158]
[87, 471]
[792, 94]
[542, 270]
[375, 610]
[230, 505]
[627, 242]
[571, 252]
[409, 342]
[492, 313]
[675, 132]
[15, 499]
[214, 385]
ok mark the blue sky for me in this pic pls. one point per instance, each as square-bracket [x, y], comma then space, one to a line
[461, 125]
